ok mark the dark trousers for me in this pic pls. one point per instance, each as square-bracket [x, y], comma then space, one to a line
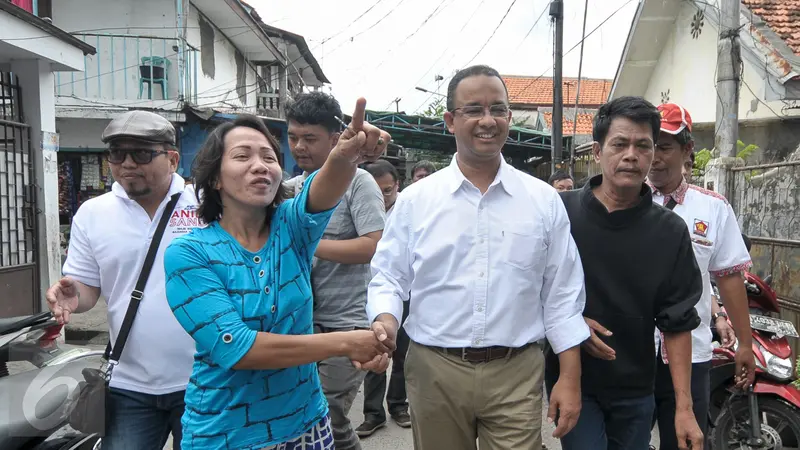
[139, 421]
[375, 383]
[610, 424]
[665, 401]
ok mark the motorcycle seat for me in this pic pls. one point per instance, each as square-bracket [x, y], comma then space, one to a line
[11, 324]
[37, 401]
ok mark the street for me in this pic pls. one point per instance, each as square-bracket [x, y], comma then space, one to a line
[391, 437]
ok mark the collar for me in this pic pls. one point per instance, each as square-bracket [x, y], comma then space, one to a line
[177, 185]
[616, 219]
[505, 177]
[678, 194]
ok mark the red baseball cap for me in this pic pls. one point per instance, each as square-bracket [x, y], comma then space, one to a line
[674, 118]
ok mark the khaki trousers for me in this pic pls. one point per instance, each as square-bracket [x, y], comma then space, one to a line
[453, 403]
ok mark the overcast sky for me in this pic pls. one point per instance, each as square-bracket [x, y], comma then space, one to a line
[388, 51]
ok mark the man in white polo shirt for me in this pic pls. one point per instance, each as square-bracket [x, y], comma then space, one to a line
[109, 239]
[720, 252]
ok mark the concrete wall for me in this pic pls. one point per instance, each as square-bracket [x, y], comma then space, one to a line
[686, 71]
[776, 140]
[117, 16]
[144, 28]
[38, 102]
[531, 117]
[81, 133]
[221, 88]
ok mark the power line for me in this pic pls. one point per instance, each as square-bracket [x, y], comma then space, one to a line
[579, 42]
[446, 49]
[565, 54]
[369, 28]
[544, 10]
[437, 10]
[94, 30]
[513, 2]
[350, 25]
[493, 33]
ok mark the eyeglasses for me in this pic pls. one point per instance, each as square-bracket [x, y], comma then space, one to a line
[477, 111]
[139, 156]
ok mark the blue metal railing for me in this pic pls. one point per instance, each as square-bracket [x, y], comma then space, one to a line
[130, 69]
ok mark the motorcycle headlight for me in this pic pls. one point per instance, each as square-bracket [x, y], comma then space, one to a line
[779, 368]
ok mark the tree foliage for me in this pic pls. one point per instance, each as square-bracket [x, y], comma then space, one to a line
[435, 109]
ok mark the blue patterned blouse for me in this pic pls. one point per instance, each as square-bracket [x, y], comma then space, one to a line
[223, 295]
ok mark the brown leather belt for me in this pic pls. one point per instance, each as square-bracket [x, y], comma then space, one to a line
[485, 354]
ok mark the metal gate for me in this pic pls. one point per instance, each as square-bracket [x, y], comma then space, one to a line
[766, 198]
[19, 270]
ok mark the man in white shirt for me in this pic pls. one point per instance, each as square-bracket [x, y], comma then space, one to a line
[719, 251]
[485, 252]
[109, 240]
[388, 180]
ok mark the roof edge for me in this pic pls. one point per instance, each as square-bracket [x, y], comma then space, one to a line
[47, 27]
[627, 48]
[301, 44]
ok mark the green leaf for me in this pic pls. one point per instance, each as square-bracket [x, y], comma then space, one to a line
[435, 109]
[701, 159]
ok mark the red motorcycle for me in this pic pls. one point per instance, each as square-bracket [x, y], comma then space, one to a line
[766, 416]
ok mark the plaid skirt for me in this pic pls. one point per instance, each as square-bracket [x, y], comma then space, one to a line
[319, 437]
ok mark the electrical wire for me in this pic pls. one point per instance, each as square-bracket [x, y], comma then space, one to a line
[437, 10]
[446, 49]
[513, 2]
[369, 28]
[579, 42]
[544, 10]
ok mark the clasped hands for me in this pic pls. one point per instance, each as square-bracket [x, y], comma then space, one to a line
[371, 349]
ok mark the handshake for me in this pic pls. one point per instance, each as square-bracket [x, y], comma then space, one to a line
[371, 349]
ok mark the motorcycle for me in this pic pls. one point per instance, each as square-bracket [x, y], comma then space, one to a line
[37, 399]
[767, 415]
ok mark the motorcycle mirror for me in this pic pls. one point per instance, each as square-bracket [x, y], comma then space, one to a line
[768, 280]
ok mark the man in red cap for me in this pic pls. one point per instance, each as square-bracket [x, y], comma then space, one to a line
[719, 251]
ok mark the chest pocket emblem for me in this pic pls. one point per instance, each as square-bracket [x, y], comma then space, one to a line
[700, 227]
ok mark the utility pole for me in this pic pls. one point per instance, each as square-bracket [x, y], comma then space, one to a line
[729, 69]
[578, 95]
[557, 15]
[397, 104]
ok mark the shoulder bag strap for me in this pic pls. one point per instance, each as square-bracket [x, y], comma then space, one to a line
[138, 291]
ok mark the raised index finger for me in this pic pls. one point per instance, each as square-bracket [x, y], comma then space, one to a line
[358, 114]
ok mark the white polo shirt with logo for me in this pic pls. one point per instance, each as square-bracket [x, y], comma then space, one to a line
[109, 239]
[718, 247]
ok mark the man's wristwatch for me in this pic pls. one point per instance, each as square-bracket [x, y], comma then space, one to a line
[716, 316]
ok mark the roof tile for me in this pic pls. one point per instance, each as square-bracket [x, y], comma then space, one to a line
[539, 90]
[584, 123]
[782, 16]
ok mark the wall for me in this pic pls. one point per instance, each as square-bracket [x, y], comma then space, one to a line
[531, 117]
[81, 133]
[221, 89]
[117, 16]
[776, 140]
[129, 31]
[38, 102]
[686, 74]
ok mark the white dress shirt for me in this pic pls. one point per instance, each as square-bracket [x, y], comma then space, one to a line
[498, 268]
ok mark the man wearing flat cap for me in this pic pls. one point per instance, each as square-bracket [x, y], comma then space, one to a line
[110, 237]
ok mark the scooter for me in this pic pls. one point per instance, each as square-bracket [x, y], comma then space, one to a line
[36, 400]
[767, 415]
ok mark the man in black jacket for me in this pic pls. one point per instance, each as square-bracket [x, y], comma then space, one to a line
[640, 274]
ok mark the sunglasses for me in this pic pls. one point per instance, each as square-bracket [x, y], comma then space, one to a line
[139, 156]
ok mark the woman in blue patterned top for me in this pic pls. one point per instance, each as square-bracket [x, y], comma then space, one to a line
[241, 288]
